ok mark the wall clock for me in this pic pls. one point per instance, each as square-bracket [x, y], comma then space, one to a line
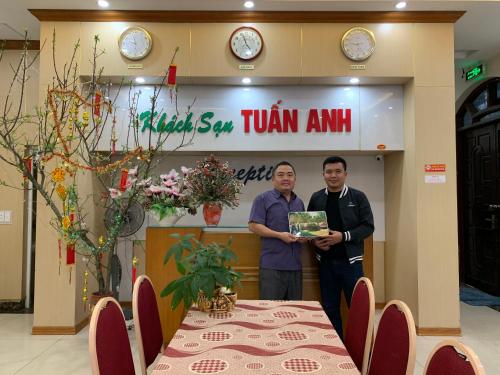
[135, 43]
[358, 43]
[246, 43]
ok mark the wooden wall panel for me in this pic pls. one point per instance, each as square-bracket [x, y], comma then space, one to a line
[247, 247]
[158, 240]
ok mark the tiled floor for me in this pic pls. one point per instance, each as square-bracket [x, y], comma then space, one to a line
[21, 353]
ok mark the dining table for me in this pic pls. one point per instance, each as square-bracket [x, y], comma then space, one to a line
[257, 337]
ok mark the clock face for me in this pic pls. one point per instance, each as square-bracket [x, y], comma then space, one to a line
[135, 43]
[246, 43]
[358, 43]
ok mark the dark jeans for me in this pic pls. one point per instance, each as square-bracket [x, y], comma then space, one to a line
[282, 285]
[336, 275]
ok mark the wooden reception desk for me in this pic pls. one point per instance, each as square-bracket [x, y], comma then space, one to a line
[245, 244]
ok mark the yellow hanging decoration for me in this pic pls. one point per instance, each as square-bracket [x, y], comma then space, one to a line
[58, 175]
[66, 222]
[62, 192]
[85, 287]
[85, 119]
[101, 240]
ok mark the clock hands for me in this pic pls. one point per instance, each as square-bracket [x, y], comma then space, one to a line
[245, 40]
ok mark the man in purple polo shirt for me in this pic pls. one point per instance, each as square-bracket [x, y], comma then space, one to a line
[280, 273]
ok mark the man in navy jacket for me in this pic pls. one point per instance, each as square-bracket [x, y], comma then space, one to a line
[350, 221]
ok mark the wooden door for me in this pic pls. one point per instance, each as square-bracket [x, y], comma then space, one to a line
[479, 174]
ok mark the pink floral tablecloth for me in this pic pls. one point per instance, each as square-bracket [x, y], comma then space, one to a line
[258, 337]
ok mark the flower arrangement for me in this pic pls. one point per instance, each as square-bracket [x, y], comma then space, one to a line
[168, 195]
[212, 181]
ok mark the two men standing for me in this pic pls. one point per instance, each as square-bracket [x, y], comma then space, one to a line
[340, 254]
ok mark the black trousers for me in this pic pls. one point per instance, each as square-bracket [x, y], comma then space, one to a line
[280, 285]
[335, 276]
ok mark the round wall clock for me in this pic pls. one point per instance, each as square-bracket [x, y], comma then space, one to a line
[246, 43]
[135, 43]
[358, 43]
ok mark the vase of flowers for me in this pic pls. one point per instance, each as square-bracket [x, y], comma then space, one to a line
[213, 184]
[167, 198]
[212, 213]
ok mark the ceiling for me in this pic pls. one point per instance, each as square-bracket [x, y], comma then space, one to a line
[476, 33]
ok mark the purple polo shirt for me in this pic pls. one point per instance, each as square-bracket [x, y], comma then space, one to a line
[271, 209]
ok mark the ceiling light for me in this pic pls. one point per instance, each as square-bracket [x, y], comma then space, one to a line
[103, 3]
[401, 5]
[354, 80]
[140, 80]
[248, 4]
[246, 81]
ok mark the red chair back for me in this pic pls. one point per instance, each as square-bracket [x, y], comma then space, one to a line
[359, 329]
[147, 322]
[394, 347]
[109, 346]
[451, 357]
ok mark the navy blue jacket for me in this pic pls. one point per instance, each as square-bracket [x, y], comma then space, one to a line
[356, 215]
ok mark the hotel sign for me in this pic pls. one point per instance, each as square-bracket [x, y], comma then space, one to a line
[271, 118]
[254, 120]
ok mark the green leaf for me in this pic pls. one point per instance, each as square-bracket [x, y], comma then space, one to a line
[222, 276]
[187, 295]
[181, 268]
[173, 285]
[176, 299]
[195, 286]
[209, 285]
[174, 250]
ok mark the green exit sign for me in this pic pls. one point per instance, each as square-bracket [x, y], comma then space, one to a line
[474, 72]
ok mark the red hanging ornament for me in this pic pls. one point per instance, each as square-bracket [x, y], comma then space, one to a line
[70, 253]
[72, 217]
[28, 166]
[123, 180]
[97, 103]
[172, 75]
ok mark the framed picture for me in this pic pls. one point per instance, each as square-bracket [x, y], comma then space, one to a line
[308, 224]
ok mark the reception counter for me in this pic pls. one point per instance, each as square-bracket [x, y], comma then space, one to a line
[247, 247]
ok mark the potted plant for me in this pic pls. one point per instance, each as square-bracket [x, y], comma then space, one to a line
[167, 197]
[203, 269]
[214, 184]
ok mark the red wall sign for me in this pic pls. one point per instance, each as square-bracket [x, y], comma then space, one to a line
[435, 167]
[287, 121]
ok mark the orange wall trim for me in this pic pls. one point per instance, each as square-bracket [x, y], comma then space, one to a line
[439, 331]
[62, 330]
[82, 15]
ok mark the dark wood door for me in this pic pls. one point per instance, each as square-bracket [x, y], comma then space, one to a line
[480, 185]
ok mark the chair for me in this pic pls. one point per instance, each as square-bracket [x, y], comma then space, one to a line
[451, 357]
[394, 346]
[109, 345]
[148, 332]
[359, 329]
